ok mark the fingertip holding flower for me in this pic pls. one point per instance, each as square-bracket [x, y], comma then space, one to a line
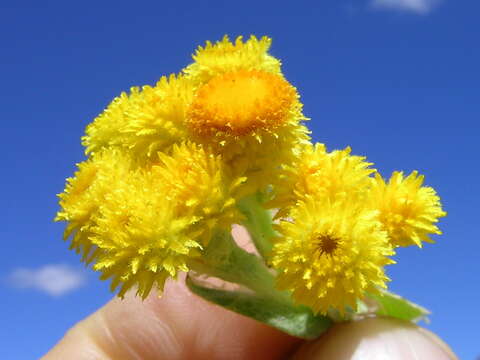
[376, 338]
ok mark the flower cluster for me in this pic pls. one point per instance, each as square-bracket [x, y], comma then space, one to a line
[168, 165]
[340, 222]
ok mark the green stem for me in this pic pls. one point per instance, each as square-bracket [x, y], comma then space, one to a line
[225, 260]
[258, 222]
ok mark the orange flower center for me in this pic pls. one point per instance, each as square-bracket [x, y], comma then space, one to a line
[242, 102]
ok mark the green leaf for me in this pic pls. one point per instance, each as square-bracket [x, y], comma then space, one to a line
[389, 304]
[298, 321]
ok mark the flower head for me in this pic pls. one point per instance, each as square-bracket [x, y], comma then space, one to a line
[148, 120]
[167, 164]
[326, 176]
[84, 193]
[246, 116]
[407, 210]
[330, 254]
[196, 181]
[140, 238]
[140, 225]
[244, 109]
[225, 56]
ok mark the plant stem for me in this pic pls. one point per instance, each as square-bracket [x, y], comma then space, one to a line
[258, 222]
[225, 260]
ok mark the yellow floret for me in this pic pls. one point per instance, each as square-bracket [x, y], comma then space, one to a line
[84, 193]
[331, 254]
[148, 120]
[233, 99]
[326, 176]
[252, 118]
[195, 179]
[142, 240]
[408, 210]
[225, 56]
[140, 225]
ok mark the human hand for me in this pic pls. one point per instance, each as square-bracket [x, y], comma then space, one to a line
[180, 325]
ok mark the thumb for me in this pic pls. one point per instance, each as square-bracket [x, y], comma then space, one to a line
[376, 338]
[177, 326]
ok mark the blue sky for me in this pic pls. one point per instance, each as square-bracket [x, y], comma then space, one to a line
[397, 80]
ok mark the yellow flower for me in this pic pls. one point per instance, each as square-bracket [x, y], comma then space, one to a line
[195, 179]
[246, 116]
[84, 193]
[225, 56]
[142, 240]
[140, 225]
[146, 121]
[326, 176]
[244, 109]
[330, 254]
[407, 210]
[233, 99]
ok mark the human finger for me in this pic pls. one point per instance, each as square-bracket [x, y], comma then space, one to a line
[179, 325]
[376, 338]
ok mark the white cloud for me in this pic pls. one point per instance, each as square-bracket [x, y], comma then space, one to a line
[415, 6]
[55, 280]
